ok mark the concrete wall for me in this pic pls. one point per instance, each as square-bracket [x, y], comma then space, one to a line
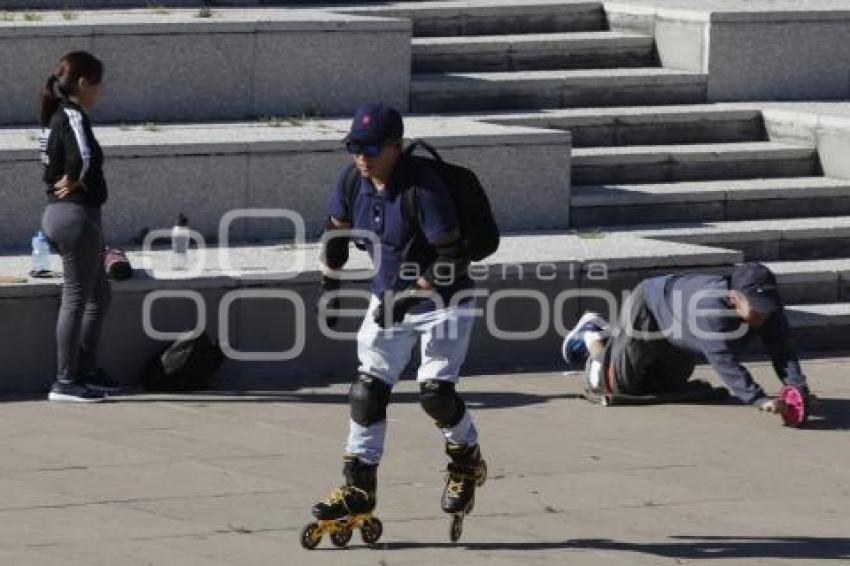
[206, 172]
[826, 126]
[751, 52]
[235, 65]
[263, 324]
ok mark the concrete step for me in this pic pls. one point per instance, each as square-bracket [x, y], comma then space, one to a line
[236, 65]
[209, 170]
[813, 282]
[532, 52]
[464, 92]
[823, 327]
[532, 285]
[791, 239]
[662, 164]
[493, 17]
[796, 197]
[645, 125]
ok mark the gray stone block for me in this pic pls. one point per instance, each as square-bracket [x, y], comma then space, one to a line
[650, 213]
[175, 77]
[342, 68]
[762, 61]
[494, 17]
[520, 203]
[554, 89]
[150, 192]
[300, 182]
[25, 65]
[237, 64]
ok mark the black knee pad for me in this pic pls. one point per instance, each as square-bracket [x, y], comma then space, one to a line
[369, 397]
[440, 400]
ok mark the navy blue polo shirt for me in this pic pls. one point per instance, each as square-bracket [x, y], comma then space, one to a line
[382, 212]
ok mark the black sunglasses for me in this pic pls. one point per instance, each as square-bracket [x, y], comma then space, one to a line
[368, 149]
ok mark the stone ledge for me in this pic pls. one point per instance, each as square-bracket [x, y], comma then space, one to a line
[518, 253]
[256, 137]
[183, 21]
[707, 191]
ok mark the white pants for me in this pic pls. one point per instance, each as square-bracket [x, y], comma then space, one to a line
[444, 335]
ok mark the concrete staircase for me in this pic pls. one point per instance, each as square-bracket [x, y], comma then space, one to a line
[661, 181]
[502, 57]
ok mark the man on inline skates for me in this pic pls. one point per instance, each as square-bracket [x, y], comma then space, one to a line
[406, 304]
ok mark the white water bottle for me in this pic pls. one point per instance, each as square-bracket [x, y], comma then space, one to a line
[180, 243]
[40, 253]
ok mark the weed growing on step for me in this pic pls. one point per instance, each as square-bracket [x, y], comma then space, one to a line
[69, 14]
[159, 10]
[205, 11]
[595, 234]
[272, 121]
[7, 16]
[124, 127]
[150, 127]
[33, 17]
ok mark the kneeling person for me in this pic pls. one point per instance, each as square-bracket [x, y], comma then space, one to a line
[669, 320]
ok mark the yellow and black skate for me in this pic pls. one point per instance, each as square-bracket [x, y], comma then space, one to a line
[465, 472]
[347, 509]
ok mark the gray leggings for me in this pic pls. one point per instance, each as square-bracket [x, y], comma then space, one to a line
[75, 231]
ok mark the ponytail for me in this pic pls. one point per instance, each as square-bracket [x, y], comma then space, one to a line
[49, 99]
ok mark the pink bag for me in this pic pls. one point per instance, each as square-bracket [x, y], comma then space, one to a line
[116, 263]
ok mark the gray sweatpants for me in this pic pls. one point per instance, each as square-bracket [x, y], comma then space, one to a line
[76, 232]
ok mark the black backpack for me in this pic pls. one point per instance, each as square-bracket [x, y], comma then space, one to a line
[185, 365]
[475, 216]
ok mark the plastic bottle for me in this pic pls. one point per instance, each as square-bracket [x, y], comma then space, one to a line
[180, 243]
[40, 253]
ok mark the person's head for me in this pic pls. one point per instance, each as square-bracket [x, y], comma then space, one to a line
[753, 293]
[78, 76]
[375, 140]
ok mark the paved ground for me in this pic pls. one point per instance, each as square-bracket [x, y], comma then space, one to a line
[225, 479]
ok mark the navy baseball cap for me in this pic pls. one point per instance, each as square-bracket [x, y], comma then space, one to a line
[758, 284]
[375, 124]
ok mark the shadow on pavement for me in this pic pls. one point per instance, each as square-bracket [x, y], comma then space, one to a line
[830, 414]
[475, 400]
[715, 547]
[682, 547]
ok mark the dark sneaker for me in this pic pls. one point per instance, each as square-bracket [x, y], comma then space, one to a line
[98, 380]
[73, 392]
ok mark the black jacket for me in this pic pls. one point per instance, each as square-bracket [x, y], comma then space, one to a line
[68, 147]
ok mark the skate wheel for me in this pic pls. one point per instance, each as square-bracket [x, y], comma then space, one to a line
[341, 537]
[456, 529]
[483, 477]
[794, 414]
[311, 536]
[372, 530]
[605, 401]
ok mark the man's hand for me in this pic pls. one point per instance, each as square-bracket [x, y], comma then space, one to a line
[328, 285]
[400, 307]
[775, 406]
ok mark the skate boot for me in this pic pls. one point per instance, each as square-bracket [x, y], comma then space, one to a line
[466, 471]
[347, 508]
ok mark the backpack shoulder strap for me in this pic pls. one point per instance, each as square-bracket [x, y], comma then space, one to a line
[351, 188]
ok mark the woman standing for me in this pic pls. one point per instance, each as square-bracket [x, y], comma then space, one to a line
[76, 190]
